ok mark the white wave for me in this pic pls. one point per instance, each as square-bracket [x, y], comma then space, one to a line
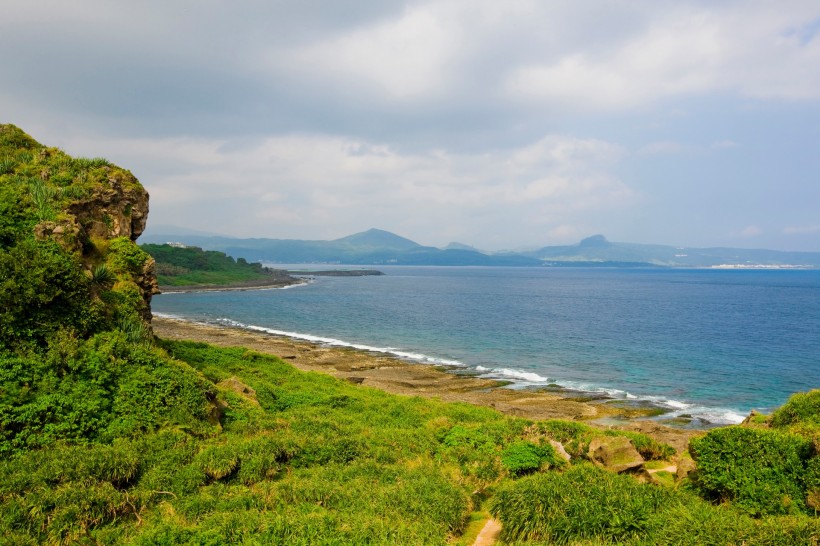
[528, 377]
[716, 416]
[406, 355]
[519, 378]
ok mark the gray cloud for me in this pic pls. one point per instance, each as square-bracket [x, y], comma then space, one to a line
[420, 115]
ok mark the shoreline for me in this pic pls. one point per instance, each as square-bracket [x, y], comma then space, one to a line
[241, 286]
[396, 376]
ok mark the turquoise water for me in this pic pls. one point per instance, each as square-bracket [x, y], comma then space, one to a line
[713, 344]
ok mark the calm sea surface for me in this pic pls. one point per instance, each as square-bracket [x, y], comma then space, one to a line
[709, 343]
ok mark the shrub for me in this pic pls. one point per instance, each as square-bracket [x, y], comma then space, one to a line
[760, 471]
[802, 407]
[584, 502]
[525, 457]
[125, 256]
[43, 289]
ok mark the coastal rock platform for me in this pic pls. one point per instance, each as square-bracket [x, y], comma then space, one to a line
[398, 376]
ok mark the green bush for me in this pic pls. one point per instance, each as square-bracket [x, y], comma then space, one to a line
[588, 505]
[584, 502]
[524, 457]
[96, 390]
[801, 407]
[125, 257]
[760, 471]
[43, 289]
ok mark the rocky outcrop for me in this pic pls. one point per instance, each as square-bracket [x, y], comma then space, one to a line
[614, 453]
[116, 207]
[560, 451]
[234, 384]
[82, 204]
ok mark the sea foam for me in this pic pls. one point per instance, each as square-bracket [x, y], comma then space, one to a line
[517, 378]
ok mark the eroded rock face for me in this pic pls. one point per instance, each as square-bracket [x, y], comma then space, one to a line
[117, 207]
[614, 453]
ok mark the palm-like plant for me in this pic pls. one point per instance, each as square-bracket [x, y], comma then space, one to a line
[102, 276]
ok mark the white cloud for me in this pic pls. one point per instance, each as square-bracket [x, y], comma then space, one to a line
[403, 58]
[315, 186]
[724, 145]
[684, 49]
[749, 232]
[801, 230]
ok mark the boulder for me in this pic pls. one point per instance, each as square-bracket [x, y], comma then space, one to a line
[614, 453]
[559, 449]
[685, 467]
[243, 390]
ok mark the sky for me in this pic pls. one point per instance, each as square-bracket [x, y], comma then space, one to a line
[500, 124]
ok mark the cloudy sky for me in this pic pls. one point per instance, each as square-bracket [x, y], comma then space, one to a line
[502, 124]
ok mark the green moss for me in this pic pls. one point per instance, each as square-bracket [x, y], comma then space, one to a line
[125, 257]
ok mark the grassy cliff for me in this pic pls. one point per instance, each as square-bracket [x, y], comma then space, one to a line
[110, 436]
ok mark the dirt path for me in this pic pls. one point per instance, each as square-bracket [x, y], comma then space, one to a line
[489, 533]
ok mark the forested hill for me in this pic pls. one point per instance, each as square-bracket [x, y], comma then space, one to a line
[179, 266]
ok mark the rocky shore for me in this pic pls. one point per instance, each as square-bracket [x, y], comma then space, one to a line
[260, 284]
[397, 376]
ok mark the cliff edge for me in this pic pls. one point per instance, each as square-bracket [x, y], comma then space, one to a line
[92, 209]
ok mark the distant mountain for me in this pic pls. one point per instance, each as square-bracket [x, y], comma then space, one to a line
[461, 246]
[169, 230]
[597, 249]
[371, 247]
[376, 246]
[377, 239]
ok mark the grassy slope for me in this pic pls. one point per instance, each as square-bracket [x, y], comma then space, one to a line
[304, 458]
[307, 460]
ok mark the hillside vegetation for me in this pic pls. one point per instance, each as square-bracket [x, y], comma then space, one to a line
[192, 266]
[110, 436]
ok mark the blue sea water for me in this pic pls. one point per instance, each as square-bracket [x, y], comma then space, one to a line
[713, 344]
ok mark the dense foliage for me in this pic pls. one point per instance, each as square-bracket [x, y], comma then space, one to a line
[587, 505]
[189, 266]
[760, 471]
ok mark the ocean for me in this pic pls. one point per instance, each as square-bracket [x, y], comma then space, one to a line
[707, 344]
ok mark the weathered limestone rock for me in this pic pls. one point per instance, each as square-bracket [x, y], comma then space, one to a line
[559, 449]
[117, 207]
[685, 467]
[614, 453]
[243, 390]
[66, 232]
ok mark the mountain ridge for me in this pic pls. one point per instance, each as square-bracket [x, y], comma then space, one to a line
[380, 247]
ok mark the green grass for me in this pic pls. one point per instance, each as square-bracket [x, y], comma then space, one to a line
[317, 461]
[587, 505]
